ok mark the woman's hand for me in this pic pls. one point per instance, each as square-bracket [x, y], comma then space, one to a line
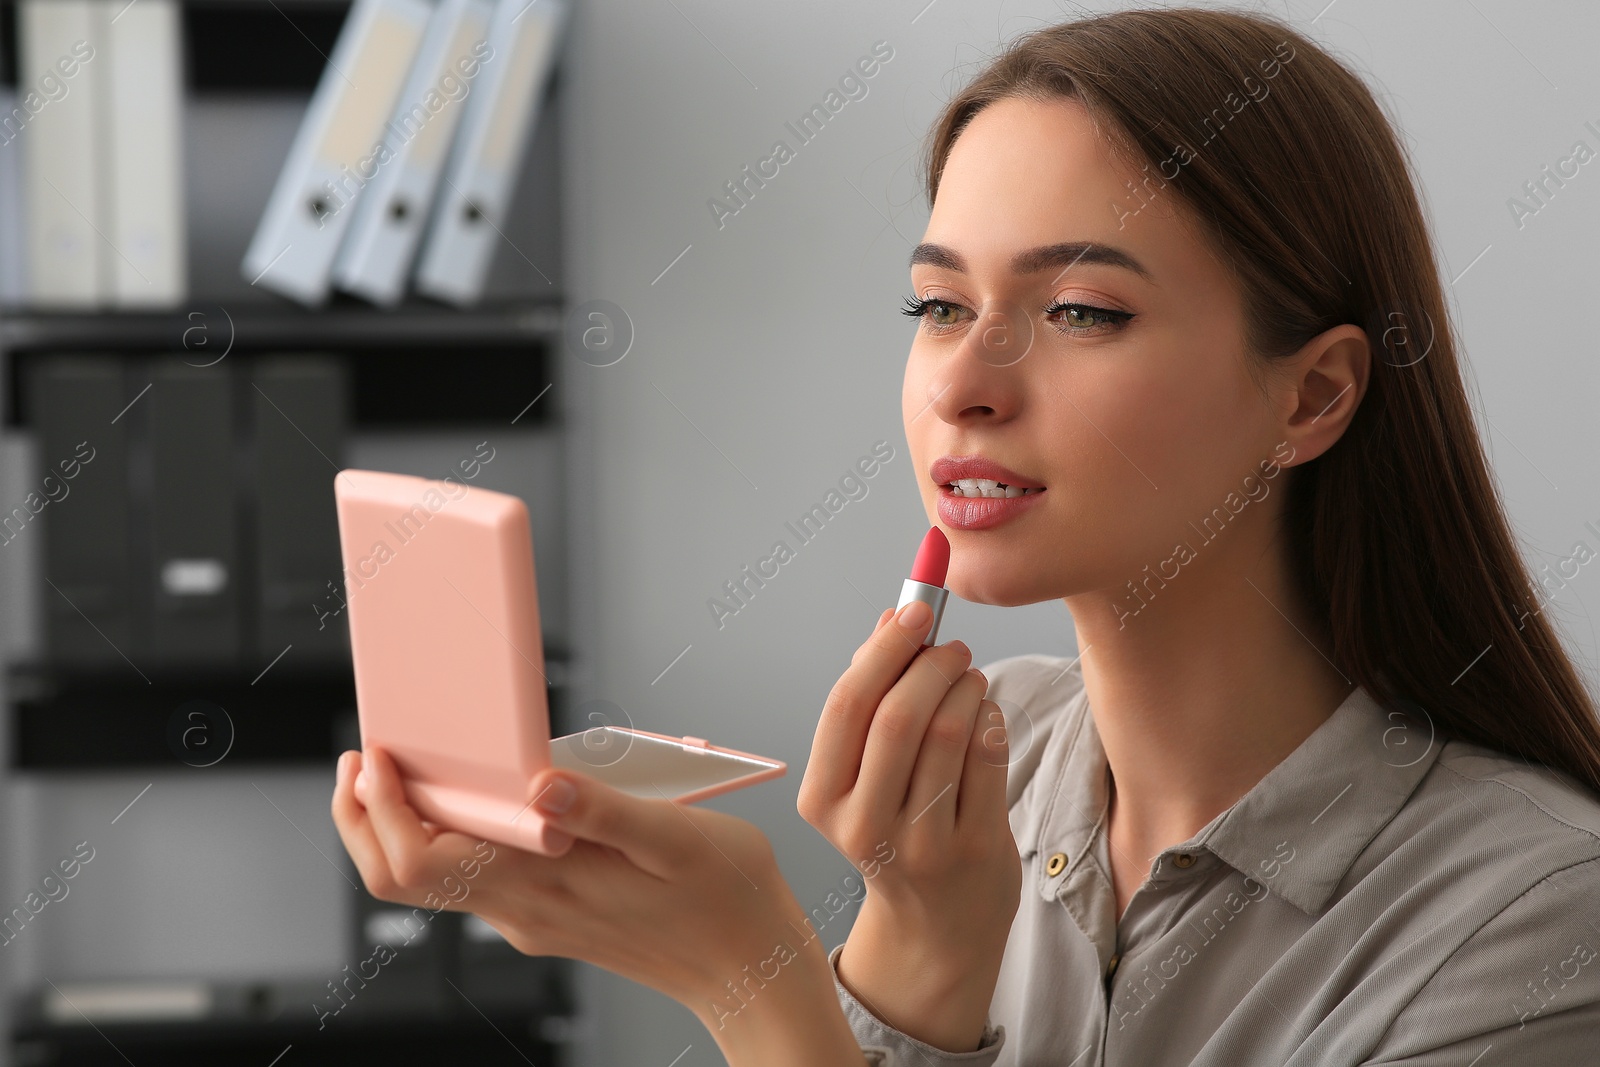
[685, 900]
[907, 779]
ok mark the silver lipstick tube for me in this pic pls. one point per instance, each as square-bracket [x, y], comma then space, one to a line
[932, 595]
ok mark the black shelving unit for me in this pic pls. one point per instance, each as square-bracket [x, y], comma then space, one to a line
[250, 68]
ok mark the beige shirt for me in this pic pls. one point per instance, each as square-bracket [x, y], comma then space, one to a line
[1379, 897]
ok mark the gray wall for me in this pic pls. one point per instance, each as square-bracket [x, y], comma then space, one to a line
[769, 357]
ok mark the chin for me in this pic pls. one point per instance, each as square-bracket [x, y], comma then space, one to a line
[1001, 590]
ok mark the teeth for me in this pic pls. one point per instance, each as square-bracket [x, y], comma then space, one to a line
[986, 487]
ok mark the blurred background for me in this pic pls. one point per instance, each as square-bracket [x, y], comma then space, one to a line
[588, 264]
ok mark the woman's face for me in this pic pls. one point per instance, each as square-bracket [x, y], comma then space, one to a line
[1134, 427]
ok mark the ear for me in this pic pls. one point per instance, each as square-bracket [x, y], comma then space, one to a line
[1322, 386]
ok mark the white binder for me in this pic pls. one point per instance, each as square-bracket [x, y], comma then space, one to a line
[146, 264]
[13, 290]
[341, 146]
[469, 212]
[382, 241]
[58, 66]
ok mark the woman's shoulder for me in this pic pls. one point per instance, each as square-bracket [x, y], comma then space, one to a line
[1530, 809]
[1500, 837]
[1038, 698]
[1515, 877]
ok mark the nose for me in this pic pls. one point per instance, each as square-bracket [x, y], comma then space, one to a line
[980, 380]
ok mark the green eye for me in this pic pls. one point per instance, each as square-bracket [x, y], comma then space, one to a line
[939, 313]
[1081, 318]
[1078, 318]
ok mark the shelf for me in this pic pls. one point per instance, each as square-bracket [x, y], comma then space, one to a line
[412, 370]
[490, 977]
[485, 1041]
[354, 325]
[259, 45]
[236, 45]
[71, 720]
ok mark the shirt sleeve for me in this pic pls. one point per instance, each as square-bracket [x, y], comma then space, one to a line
[884, 1046]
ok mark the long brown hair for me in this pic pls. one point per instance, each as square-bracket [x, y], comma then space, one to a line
[1398, 537]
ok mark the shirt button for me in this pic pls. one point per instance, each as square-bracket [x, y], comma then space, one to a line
[1111, 968]
[1183, 859]
[1056, 864]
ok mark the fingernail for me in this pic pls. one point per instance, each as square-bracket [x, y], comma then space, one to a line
[915, 615]
[557, 796]
[558, 840]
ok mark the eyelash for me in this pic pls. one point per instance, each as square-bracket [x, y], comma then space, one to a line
[918, 309]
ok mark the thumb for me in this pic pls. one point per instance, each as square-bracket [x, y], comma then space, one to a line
[647, 831]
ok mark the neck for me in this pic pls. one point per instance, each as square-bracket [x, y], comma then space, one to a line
[1219, 676]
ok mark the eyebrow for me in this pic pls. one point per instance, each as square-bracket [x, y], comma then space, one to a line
[1033, 260]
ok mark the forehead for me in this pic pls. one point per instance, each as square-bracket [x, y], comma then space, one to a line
[1027, 172]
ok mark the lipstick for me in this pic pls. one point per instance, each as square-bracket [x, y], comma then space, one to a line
[927, 579]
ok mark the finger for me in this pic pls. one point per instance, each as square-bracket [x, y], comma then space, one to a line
[936, 777]
[396, 823]
[355, 828]
[899, 727]
[841, 733]
[650, 833]
[982, 800]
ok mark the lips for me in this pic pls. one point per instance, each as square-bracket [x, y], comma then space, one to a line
[949, 469]
[990, 506]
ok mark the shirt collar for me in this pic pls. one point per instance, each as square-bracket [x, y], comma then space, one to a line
[1326, 800]
[1064, 800]
[1319, 806]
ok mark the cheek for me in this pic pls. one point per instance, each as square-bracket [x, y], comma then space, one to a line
[1212, 420]
[910, 388]
[919, 420]
[1173, 419]
[1154, 441]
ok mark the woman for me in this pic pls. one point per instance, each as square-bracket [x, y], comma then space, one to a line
[1322, 787]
